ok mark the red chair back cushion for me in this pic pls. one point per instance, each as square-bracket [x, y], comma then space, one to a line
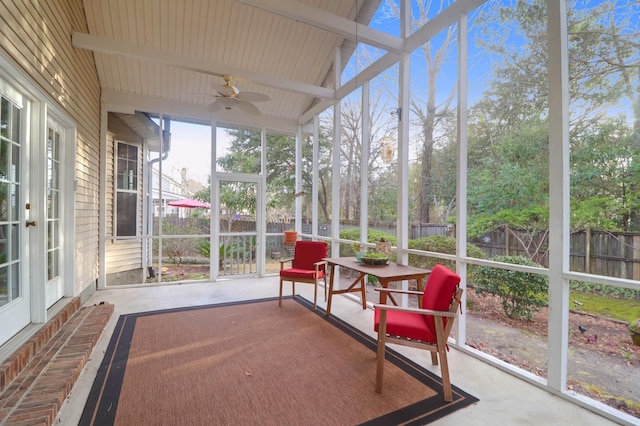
[439, 291]
[309, 252]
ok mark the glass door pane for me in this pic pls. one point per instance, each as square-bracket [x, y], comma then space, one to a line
[238, 227]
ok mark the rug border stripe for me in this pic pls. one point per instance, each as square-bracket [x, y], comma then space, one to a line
[413, 414]
[102, 402]
[108, 373]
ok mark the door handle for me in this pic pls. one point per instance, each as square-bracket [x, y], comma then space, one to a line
[30, 223]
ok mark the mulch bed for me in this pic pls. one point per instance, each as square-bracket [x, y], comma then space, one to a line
[601, 335]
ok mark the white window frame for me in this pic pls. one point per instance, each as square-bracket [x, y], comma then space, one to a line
[117, 191]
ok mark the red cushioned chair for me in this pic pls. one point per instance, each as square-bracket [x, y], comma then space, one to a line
[307, 266]
[427, 327]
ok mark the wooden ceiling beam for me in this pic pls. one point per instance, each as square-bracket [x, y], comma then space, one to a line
[114, 47]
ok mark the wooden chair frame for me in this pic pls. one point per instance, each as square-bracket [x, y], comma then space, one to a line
[314, 281]
[438, 349]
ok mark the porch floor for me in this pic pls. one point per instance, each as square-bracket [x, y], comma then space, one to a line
[504, 399]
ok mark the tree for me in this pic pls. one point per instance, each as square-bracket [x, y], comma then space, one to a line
[430, 116]
[236, 199]
[605, 170]
[324, 168]
[380, 179]
[280, 169]
[508, 138]
[350, 156]
[244, 156]
[511, 172]
[603, 60]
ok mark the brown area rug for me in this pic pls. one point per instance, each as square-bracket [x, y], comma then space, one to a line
[254, 363]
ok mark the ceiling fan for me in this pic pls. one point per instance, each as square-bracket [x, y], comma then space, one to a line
[228, 97]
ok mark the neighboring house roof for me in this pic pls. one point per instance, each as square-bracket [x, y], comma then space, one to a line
[171, 189]
[142, 125]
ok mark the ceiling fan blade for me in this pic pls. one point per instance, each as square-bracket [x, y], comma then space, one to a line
[253, 97]
[249, 108]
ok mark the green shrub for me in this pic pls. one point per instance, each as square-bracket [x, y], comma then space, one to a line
[522, 293]
[225, 251]
[346, 249]
[204, 248]
[442, 244]
[179, 250]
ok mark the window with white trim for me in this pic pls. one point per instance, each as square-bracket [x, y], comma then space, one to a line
[126, 189]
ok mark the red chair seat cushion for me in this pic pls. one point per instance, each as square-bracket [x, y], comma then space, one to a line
[406, 324]
[309, 274]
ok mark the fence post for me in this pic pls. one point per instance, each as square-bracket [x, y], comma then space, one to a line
[507, 235]
[636, 254]
[587, 250]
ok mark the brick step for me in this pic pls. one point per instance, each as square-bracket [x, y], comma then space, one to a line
[36, 379]
[13, 365]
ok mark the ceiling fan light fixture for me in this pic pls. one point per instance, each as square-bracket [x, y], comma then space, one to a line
[229, 98]
[231, 89]
[228, 103]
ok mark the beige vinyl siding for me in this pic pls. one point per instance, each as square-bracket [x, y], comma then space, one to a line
[36, 36]
[121, 255]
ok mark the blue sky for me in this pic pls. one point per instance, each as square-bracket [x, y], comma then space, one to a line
[480, 72]
[481, 63]
[194, 152]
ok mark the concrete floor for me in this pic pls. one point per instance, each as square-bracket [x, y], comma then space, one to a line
[504, 399]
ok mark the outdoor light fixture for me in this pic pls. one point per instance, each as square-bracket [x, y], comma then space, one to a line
[396, 111]
[387, 151]
[387, 148]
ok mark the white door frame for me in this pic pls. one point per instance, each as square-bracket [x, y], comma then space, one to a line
[215, 217]
[36, 108]
[62, 285]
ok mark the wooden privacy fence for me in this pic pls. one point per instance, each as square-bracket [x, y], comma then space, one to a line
[415, 230]
[201, 225]
[613, 254]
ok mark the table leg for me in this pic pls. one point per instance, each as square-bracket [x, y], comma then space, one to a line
[332, 268]
[351, 289]
[383, 294]
[363, 288]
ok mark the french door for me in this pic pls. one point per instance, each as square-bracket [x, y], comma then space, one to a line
[54, 220]
[36, 207]
[15, 298]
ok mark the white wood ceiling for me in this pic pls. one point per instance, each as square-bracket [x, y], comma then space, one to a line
[164, 55]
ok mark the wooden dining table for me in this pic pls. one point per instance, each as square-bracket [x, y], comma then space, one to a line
[391, 272]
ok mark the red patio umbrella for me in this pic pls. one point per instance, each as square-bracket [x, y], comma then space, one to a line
[189, 203]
